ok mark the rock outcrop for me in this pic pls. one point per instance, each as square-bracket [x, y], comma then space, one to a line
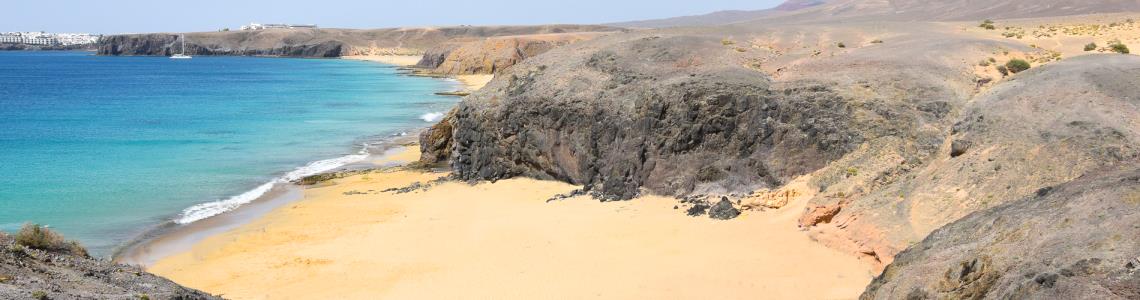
[1074, 241]
[490, 55]
[35, 274]
[305, 42]
[1045, 127]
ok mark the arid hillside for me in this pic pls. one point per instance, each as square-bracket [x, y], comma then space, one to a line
[829, 11]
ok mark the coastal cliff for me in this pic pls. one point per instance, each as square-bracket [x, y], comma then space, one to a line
[491, 55]
[319, 42]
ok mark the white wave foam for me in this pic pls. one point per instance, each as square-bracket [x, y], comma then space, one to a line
[431, 116]
[209, 209]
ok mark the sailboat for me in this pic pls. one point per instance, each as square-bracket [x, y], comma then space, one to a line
[181, 55]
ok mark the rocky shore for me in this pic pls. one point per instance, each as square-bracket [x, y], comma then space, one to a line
[27, 273]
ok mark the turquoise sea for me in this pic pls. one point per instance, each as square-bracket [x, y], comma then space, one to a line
[103, 148]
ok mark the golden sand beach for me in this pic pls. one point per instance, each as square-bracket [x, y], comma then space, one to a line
[399, 60]
[347, 239]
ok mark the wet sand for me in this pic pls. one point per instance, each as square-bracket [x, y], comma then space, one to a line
[347, 239]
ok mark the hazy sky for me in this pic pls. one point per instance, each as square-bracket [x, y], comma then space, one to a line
[121, 16]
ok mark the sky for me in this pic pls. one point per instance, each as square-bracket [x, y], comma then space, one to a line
[126, 16]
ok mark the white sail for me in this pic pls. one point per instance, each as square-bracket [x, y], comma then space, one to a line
[182, 54]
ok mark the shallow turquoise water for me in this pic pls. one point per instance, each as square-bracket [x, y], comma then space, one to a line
[102, 148]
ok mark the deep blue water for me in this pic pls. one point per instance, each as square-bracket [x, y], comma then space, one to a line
[101, 148]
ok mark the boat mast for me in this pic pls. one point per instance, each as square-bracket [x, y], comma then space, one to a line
[183, 36]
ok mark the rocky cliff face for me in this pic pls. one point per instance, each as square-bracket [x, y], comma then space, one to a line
[1073, 241]
[494, 54]
[34, 274]
[678, 114]
[320, 42]
[158, 44]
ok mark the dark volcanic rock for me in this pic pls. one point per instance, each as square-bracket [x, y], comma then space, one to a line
[723, 210]
[674, 114]
[1076, 242]
[698, 209]
[25, 271]
[167, 44]
[436, 142]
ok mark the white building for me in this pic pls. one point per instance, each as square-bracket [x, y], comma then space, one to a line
[47, 39]
[258, 26]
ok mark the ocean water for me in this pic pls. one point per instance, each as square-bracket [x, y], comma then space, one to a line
[103, 148]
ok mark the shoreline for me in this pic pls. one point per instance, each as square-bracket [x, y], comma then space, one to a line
[170, 237]
[470, 82]
[504, 240]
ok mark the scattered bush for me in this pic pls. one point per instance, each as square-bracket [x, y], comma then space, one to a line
[40, 295]
[877, 41]
[1119, 48]
[984, 63]
[1017, 65]
[988, 25]
[727, 42]
[38, 237]
[1090, 47]
[841, 45]
[852, 172]
[1003, 70]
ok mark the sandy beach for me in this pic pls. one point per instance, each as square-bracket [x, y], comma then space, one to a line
[399, 60]
[348, 239]
[471, 82]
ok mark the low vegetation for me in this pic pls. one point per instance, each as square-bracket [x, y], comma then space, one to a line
[39, 237]
[1090, 47]
[1119, 47]
[1017, 65]
[988, 25]
[841, 45]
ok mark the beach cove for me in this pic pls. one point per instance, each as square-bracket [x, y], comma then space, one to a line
[357, 238]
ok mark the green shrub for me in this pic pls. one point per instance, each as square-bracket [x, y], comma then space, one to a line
[40, 295]
[1119, 48]
[1090, 47]
[988, 25]
[1017, 65]
[38, 237]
